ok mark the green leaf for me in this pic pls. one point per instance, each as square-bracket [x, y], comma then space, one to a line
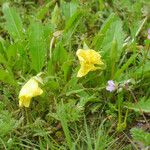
[143, 105]
[140, 136]
[144, 70]
[7, 77]
[68, 9]
[60, 54]
[113, 57]
[12, 52]
[2, 47]
[13, 22]
[114, 33]
[44, 10]
[125, 66]
[88, 136]
[53, 85]
[37, 46]
[66, 67]
[60, 58]
[50, 67]
[7, 123]
[2, 59]
[73, 21]
[98, 39]
[63, 117]
[3, 55]
[56, 16]
[71, 25]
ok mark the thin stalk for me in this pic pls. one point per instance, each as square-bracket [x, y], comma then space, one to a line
[3, 144]
[139, 29]
[27, 116]
[50, 47]
[126, 115]
[119, 115]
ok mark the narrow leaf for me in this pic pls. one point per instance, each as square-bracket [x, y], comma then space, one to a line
[13, 22]
[125, 66]
[37, 46]
[98, 39]
[68, 9]
[71, 25]
[44, 10]
[114, 33]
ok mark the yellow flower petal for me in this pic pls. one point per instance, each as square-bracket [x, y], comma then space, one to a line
[85, 68]
[29, 90]
[24, 101]
[88, 59]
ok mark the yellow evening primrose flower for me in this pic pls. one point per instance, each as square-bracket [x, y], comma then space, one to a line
[88, 59]
[29, 90]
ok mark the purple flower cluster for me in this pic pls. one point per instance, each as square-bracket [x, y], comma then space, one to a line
[111, 86]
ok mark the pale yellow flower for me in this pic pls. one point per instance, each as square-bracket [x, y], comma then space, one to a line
[29, 90]
[88, 59]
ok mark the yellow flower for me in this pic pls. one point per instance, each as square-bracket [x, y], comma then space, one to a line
[29, 90]
[88, 59]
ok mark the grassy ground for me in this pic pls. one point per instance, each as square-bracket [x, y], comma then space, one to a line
[75, 113]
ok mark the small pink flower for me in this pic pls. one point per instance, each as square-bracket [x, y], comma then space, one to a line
[148, 34]
[111, 86]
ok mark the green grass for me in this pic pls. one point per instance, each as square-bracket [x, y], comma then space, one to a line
[75, 113]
